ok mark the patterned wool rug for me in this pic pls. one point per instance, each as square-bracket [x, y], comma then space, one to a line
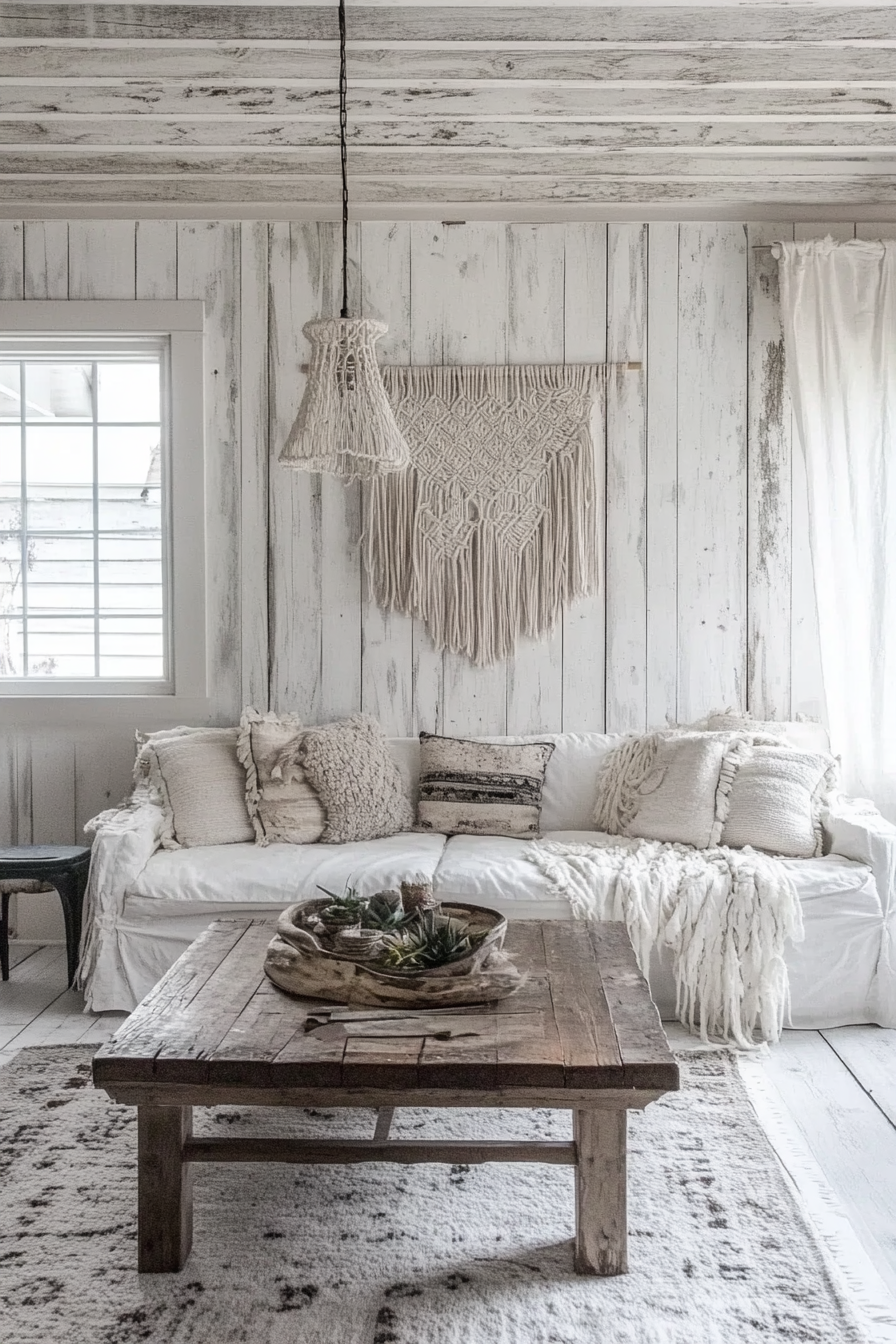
[720, 1252]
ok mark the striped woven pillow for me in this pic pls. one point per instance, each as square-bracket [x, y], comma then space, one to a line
[481, 788]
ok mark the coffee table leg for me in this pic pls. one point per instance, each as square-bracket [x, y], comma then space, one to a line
[164, 1189]
[601, 1220]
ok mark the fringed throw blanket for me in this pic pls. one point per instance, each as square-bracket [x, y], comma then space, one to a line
[724, 914]
[492, 527]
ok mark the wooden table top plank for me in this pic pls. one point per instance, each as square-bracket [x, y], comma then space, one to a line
[528, 1048]
[241, 979]
[380, 1062]
[464, 1061]
[590, 1049]
[221, 1000]
[535, 1061]
[638, 1027]
[642, 1040]
[523, 942]
[577, 988]
[582, 1019]
[130, 1052]
[305, 1060]
[292, 1058]
[187, 1043]
[266, 1026]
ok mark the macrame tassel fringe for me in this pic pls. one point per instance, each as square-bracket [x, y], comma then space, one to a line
[619, 779]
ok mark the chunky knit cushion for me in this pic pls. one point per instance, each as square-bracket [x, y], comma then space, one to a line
[201, 786]
[776, 801]
[481, 788]
[350, 767]
[282, 805]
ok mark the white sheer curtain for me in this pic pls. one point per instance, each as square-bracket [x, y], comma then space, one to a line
[839, 310]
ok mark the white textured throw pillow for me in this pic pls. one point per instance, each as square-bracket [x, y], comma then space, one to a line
[803, 734]
[146, 744]
[202, 788]
[776, 801]
[668, 786]
[282, 805]
[353, 772]
[682, 799]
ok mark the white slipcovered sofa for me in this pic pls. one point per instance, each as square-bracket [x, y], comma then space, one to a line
[146, 904]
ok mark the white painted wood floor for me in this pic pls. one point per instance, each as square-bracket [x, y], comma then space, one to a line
[37, 1009]
[838, 1088]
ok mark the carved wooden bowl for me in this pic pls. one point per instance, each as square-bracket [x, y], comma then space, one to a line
[298, 962]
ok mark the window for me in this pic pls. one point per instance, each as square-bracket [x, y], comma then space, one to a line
[83, 438]
[101, 501]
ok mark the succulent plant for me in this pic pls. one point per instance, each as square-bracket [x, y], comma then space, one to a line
[386, 911]
[430, 940]
[343, 910]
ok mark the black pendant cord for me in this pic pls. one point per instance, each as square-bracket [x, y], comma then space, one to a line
[343, 154]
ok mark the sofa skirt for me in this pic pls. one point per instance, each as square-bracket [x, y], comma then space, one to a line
[833, 972]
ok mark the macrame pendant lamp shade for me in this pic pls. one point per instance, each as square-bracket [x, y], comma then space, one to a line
[345, 424]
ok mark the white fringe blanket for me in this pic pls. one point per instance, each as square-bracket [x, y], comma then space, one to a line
[724, 914]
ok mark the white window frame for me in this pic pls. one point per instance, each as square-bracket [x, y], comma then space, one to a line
[185, 690]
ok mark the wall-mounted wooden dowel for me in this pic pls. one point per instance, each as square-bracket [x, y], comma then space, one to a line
[633, 367]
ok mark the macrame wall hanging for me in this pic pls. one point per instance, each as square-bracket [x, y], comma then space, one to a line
[491, 529]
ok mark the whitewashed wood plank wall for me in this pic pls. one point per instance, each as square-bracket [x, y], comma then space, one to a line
[707, 599]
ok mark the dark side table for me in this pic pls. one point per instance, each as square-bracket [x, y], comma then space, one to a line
[64, 867]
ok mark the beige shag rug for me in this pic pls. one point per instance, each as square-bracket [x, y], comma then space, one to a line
[720, 1252]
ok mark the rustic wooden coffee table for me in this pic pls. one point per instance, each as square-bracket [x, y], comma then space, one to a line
[582, 1035]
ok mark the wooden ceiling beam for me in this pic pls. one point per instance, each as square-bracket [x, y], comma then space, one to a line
[397, 192]
[788, 63]
[484, 99]
[153, 133]
[439, 164]
[240, 23]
